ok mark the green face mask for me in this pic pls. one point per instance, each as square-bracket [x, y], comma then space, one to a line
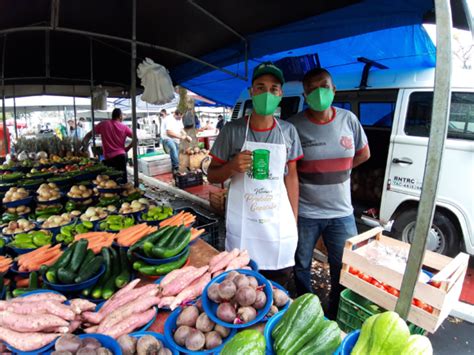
[266, 103]
[320, 99]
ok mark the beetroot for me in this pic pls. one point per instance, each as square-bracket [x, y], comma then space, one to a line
[241, 281]
[226, 312]
[213, 293]
[204, 324]
[252, 281]
[195, 340]
[181, 334]
[227, 290]
[188, 316]
[280, 298]
[246, 314]
[260, 300]
[213, 340]
[246, 296]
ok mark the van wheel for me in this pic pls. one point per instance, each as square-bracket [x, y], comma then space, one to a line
[443, 237]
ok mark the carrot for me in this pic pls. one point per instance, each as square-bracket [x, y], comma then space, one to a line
[22, 283]
[195, 233]
[34, 262]
[130, 236]
[5, 263]
[33, 253]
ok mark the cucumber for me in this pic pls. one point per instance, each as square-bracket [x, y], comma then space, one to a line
[33, 280]
[163, 269]
[90, 269]
[108, 265]
[97, 291]
[66, 276]
[142, 241]
[124, 277]
[62, 262]
[21, 291]
[89, 256]
[182, 241]
[78, 256]
[138, 264]
[87, 291]
[148, 270]
[164, 240]
[109, 285]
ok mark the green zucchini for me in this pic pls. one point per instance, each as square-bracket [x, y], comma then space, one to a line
[163, 269]
[142, 241]
[326, 341]
[169, 236]
[17, 292]
[62, 262]
[107, 262]
[109, 286]
[124, 276]
[89, 256]
[139, 264]
[90, 269]
[79, 254]
[301, 323]
[180, 242]
[66, 276]
[33, 280]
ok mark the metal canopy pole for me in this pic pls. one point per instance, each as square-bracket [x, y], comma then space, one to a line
[133, 92]
[439, 124]
[14, 113]
[75, 110]
[4, 118]
[91, 59]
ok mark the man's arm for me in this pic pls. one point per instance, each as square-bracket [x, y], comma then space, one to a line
[220, 172]
[292, 187]
[128, 147]
[86, 139]
[361, 156]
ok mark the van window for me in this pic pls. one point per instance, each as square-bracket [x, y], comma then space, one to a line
[344, 105]
[461, 118]
[287, 108]
[379, 114]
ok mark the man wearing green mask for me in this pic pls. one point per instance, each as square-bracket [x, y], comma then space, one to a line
[333, 142]
[262, 205]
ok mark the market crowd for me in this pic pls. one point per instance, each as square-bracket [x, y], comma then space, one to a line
[304, 192]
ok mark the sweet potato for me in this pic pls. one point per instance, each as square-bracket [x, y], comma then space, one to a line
[30, 323]
[222, 263]
[193, 291]
[46, 296]
[40, 307]
[26, 341]
[130, 324]
[80, 305]
[178, 285]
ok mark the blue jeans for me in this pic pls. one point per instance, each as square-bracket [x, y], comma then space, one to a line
[335, 232]
[173, 149]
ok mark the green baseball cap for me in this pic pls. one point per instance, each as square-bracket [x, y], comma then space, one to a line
[268, 68]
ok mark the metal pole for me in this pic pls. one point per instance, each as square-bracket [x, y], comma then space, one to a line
[91, 59]
[14, 113]
[133, 92]
[439, 124]
[74, 108]
[4, 114]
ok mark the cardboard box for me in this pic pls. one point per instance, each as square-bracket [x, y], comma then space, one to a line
[448, 271]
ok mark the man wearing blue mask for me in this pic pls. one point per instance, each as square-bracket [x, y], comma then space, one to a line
[262, 203]
[333, 142]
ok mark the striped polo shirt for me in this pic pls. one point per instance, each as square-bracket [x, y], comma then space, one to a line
[324, 172]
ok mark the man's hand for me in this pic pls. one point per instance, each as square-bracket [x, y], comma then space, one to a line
[242, 161]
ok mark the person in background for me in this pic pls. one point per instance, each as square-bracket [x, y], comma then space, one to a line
[333, 142]
[220, 122]
[81, 128]
[4, 148]
[261, 211]
[113, 134]
[172, 132]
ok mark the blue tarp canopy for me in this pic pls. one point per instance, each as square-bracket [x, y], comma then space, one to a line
[391, 35]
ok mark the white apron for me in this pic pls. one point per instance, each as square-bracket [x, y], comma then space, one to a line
[259, 215]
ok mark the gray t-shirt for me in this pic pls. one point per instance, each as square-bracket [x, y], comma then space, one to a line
[324, 172]
[230, 140]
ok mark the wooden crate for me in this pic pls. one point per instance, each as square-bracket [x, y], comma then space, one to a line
[218, 201]
[449, 271]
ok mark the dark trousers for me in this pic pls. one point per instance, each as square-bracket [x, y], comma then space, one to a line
[281, 276]
[119, 163]
[335, 232]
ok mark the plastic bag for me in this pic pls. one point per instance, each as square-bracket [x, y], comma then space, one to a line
[155, 79]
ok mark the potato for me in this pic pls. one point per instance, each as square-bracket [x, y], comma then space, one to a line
[213, 293]
[148, 345]
[68, 342]
[181, 334]
[226, 312]
[195, 340]
[128, 344]
[241, 281]
[204, 324]
[223, 331]
[246, 296]
[188, 316]
[260, 300]
[246, 314]
[213, 340]
[227, 290]
[280, 298]
[165, 351]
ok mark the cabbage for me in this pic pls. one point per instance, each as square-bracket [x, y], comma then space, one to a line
[417, 345]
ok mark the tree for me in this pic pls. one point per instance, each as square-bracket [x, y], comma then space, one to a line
[463, 52]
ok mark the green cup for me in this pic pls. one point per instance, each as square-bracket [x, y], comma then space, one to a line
[261, 164]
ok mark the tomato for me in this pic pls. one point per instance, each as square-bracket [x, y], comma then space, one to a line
[393, 291]
[377, 284]
[353, 271]
[436, 284]
[365, 277]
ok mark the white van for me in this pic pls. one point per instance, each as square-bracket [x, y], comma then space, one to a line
[395, 110]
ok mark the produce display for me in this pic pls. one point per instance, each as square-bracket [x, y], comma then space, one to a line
[67, 233]
[146, 344]
[42, 212]
[31, 322]
[94, 214]
[72, 344]
[96, 240]
[195, 331]
[116, 223]
[131, 192]
[157, 213]
[182, 218]
[31, 240]
[131, 235]
[57, 220]
[20, 226]
[15, 194]
[165, 243]
[105, 182]
[80, 192]
[387, 333]
[303, 328]
[131, 308]
[48, 192]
